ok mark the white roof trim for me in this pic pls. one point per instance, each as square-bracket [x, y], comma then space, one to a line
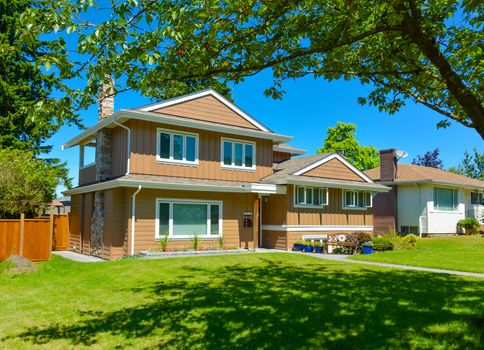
[323, 182]
[433, 182]
[250, 188]
[327, 159]
[202, 93]
[313, 228]
[125, 114]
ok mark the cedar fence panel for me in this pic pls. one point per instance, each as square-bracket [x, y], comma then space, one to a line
[9, 238]
[33, 238]
[60, 238]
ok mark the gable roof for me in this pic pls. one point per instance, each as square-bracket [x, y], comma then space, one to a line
[292, 171]
[410, 173]
[145, 113]
[159, 106]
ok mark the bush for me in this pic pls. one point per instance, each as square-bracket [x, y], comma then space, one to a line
[469, 224]
[382, 244]
[362, 238]
[408, 241]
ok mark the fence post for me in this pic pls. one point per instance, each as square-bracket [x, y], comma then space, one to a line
[51, 234]
[21, 236]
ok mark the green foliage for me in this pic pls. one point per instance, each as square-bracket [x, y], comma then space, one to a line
[471, 166]
[317, 244]
[403, 50]
[221, 242]
[195, 241]
[408, 242]
[383, 243]
[341, 138]
[469, 224]
[300, 241]
[367, 244]
[33, 101]
[164, 240]
[27, 184]
[363, 237]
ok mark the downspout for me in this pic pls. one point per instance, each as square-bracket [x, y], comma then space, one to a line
[133, 217]
[419, 209]
[260, 220]
[129, 142]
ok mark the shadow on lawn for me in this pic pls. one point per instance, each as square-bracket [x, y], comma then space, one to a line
[283, 306]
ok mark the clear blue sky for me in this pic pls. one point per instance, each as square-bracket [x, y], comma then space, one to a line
[307, 109]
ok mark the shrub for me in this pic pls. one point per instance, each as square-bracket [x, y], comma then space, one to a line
[408, 241]
[363, 237]
[195, 241]
[341, 250]
[316, 244]
[367, 244]
[469, 224]
[164, 242]
[382, 244]
[300, 241]
[221, 242]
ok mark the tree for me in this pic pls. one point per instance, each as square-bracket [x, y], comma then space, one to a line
[32, 107]
[430, 159]
[341, 138]
[471, 166]
[27, 184]
[406, 49]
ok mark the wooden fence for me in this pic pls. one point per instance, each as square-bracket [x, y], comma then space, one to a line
[33, 238]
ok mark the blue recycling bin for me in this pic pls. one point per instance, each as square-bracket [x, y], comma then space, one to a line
[367, 250]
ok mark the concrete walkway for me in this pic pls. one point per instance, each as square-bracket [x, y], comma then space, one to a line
[344, 258]
[77, 257]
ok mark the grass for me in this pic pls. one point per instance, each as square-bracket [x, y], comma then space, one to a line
[249, 301]
[462, 253]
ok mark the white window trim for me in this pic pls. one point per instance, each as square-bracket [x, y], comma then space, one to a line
[233, 166]
[302, 205]
[438, 210]
[172, 201]
[357, 193]
[171, 160]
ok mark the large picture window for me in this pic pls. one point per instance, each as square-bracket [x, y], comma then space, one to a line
[445, 199]
[357, 199]
[187, 218]
[238, 154]
[311, 196]
[177, 147]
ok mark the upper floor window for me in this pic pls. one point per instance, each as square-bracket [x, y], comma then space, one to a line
[357, 199]
[311, 196]
[177, 147]
[476, 198]
[238, 154]
[445, 199]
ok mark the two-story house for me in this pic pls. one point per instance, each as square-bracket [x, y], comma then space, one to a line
[199, 165]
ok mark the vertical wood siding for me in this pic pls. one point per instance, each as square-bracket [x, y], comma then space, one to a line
[334, 169]
[75, 224]
[207, 108]
[143, 155]
[280, 157]
[119, 152]
[234, 206]
[274, 240]
[87, 175]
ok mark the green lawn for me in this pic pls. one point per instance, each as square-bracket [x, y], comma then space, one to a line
[462, 253]
[249, 301]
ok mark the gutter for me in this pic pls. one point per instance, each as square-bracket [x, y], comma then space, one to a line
[419, 209]
[133, 217]
[129, 143]
[433, 182]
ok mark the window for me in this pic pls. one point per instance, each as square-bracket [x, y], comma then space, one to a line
[357, 199]
[445, 199]
[177, 147]
[406, 230]
[311, 196]
[476, 198]
[238, 155]
[186, 218]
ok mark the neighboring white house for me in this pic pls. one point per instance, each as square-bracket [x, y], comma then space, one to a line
[423, 200]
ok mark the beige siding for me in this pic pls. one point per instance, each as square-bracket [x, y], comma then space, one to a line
[119, 152]
[234, 206]
[334, 169]
[274, 240]
[75, 222]
[143, 156]
[207, 108]
[280, 157]
[280, 210]
[87, 175]
[117, 210]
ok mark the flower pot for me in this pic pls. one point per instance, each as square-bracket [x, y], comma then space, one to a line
[318, 250]
[298, 247]
[308, 248]
[367, 250]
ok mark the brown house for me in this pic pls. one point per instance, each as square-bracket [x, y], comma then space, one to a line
[199, 165]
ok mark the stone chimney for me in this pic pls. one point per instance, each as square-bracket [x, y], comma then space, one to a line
[103, 164]
[388, 164]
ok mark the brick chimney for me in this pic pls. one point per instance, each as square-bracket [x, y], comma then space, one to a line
[388, 164]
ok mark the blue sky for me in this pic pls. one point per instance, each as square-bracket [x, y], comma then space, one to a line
[307, 109]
